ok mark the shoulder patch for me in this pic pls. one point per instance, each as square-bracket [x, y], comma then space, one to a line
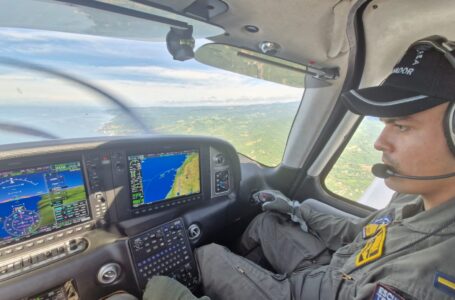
[373, 248]
[384, 292]
[370, 230]
[444, 283]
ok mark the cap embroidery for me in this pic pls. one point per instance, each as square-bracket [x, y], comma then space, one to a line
[390, 103]
[403, 71]
[418, 57]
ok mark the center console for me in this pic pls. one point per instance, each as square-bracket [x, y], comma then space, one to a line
[164, 250]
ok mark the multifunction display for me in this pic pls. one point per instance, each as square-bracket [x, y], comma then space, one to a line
[41, 200]
[163, 176]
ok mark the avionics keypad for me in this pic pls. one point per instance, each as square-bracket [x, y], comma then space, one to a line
[164, 250]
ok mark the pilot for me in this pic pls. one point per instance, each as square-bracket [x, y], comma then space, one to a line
[404, 251]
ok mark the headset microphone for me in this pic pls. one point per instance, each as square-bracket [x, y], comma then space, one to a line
[385, 171]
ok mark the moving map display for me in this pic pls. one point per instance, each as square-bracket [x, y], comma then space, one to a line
[40, 200]
[163, 176]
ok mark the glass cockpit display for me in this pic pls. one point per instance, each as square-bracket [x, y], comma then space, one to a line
[163, 176]
[41, 200]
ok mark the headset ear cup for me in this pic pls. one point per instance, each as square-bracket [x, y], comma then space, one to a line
[449, 127]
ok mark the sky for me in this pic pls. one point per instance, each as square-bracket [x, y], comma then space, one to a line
[140, 73]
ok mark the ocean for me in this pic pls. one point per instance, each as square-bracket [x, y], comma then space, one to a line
[63, 122]
[158, 175]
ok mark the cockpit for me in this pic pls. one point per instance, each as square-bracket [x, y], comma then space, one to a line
[133, 132]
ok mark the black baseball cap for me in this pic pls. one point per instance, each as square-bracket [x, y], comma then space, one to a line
[424, 78]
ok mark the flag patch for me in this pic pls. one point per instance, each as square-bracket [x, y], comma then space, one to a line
[445, 283]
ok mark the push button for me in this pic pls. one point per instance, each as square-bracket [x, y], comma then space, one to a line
[17, 265]
[27, 261]
[3, 270]
[10, 268]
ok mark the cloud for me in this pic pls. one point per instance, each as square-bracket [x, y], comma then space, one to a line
[29, 88]
[196, 74]
[32, 42]
[142, 73]
[153, 71]
[26, 35]
[230, 93]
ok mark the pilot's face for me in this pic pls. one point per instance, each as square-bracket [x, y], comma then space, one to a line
[416, 145]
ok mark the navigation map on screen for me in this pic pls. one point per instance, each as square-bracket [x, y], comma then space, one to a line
[163, 176]
[42, 199]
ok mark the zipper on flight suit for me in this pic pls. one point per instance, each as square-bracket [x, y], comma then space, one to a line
[241, 271]
[344, 277]
[347, 277]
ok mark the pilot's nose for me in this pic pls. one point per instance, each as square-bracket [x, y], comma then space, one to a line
[383, 142]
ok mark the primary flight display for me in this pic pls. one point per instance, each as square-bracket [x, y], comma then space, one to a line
[163, 176]
[41, 200]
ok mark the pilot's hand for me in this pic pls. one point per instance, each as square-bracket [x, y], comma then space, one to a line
[264, 196]
[162, 287]
[275, 201]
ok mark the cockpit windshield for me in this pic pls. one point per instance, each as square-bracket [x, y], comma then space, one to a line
[169, 96]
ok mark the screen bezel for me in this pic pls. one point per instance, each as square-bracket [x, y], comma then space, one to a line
[25, 165]
[170, 200]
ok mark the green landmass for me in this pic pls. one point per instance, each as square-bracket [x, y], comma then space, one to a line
[187, 178]
[260, 132]
[351, 174]
[257, 131]
[46, 211]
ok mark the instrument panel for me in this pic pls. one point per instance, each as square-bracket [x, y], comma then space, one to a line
[53, 198]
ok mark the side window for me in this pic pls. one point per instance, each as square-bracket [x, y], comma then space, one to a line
[351, 176]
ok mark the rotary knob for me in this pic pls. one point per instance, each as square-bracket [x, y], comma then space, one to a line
[219, 159]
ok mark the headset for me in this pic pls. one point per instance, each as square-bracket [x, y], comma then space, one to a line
[445, 47]
[449, 127]
[384, 171]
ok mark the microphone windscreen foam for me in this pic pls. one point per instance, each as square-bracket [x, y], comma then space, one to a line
[380, 170]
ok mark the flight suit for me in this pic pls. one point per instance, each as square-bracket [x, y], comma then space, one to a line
[401, 251]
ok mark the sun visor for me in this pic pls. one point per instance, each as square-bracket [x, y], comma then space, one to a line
[263, 66]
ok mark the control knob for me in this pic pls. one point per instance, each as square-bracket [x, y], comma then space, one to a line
[219, 159]
[109, 273]
[138, 244]
[100, 197]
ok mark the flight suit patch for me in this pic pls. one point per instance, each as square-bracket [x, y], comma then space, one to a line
[383, 292]
[372, 228]
[385, 220]
[444, 283]
[373, 249]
